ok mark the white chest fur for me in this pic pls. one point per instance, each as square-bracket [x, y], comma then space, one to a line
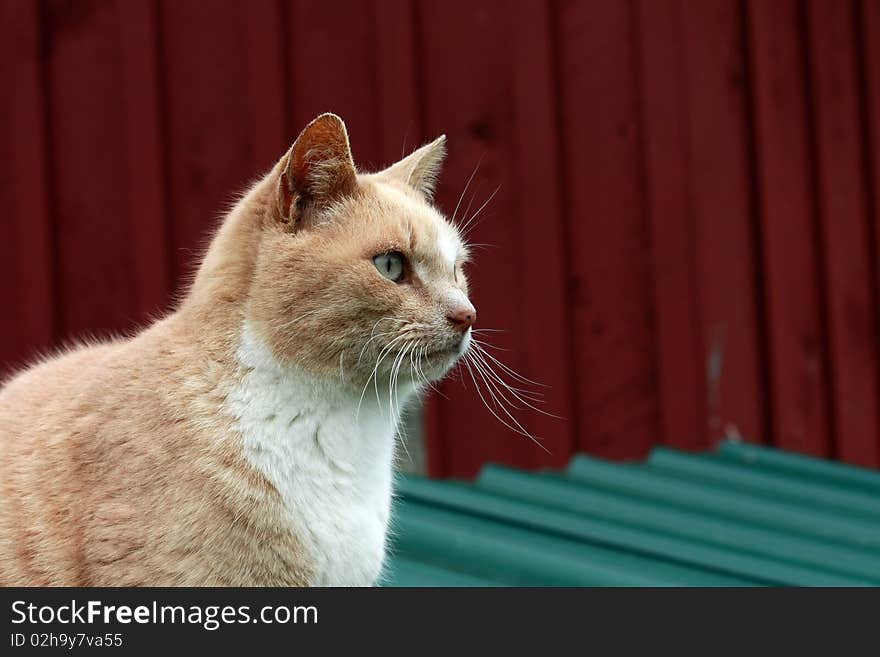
[330, 461]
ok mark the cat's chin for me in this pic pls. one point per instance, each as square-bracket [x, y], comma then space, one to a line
[437, 364]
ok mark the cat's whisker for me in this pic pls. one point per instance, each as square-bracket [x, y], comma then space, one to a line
[413, 370]
[414, 359]
[464, 191]
[466, 213]
[491, 383]
[491, 346]
[374, 337]
[401, 428]
[516, 429]
[532, 395]
[422, 354]
[525, 397]
[382, 355]
[387, 319]
[373, 375]
[468, 227]
[522, 429]
[392, 381]
[407, 351]
[520, 395]
[407, 333]
[501, 393]
[519, 377]
[409, 348]
[408, 327]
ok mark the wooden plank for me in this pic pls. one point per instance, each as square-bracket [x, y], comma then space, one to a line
[849, 287]
[474, 69]
[606, 231]
[399, 121]
[869, 19]
[545, 323]
[271, 123]
[796, 349]
[145, 193]
[677, 313]
[27, 295]
[331, 68]
[724, 225]
[211, 120]
[88, 161]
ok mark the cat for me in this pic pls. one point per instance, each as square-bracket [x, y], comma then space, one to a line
[247, 438]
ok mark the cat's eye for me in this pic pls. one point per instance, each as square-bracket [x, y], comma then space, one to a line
[390, 265]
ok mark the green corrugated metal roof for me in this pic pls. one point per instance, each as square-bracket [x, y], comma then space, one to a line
[739, 516]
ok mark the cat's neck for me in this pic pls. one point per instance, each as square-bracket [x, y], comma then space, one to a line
[373, 409]
[221, 285]
[327, 453]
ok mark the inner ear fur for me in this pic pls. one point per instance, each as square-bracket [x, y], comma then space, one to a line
[317, 170]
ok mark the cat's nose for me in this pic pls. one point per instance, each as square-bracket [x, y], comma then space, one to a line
[463, 317]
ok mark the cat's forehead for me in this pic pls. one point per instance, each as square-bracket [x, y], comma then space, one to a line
[428, 232]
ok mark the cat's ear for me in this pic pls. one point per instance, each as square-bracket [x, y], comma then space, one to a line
[420, 168]
[318, 169]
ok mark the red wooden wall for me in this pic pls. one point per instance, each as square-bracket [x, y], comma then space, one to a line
[684, 239]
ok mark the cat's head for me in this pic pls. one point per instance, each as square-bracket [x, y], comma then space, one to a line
[359, 275]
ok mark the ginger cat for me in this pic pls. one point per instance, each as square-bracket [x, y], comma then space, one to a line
[247, 438]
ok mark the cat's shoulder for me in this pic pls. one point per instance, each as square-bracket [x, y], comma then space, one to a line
[76, 360]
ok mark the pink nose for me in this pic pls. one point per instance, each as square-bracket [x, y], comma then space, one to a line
[463, 318]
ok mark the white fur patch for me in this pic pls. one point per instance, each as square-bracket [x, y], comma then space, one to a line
[331, 463]
[449, 246]
[449, 243]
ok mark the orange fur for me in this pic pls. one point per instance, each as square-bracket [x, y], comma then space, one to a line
[120, 463]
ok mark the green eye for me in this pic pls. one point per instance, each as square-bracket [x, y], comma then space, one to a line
[390, 265]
